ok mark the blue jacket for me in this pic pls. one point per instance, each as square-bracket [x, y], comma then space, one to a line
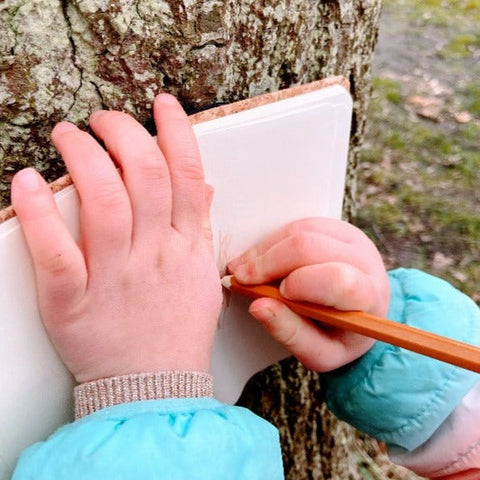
[163, 439]
[398, 396]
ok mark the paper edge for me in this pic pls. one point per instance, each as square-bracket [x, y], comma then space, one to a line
[219, 112]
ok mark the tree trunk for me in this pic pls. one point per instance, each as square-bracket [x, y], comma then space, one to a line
[61, 59]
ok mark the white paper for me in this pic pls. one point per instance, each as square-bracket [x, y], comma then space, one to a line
[269, 165]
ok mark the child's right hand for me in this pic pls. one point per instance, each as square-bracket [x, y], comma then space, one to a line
[324, 261]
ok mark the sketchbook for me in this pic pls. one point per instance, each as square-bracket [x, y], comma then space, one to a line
[272, 159]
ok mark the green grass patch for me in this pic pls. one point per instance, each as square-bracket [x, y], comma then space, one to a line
[439, 13]
[471, 99]
[429, 141]
[389, 89]
[423, 178]
[461, 46]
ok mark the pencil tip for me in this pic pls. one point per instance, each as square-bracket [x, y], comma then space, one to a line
[227, 281]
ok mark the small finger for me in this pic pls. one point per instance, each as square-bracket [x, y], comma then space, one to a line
[292, 252]
[316, 348]
[59, 265]
[106, 214]
[144, 170]
[178, 143]
[338, 230]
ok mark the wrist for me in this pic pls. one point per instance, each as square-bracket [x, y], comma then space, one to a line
[106, 392]
[106, 362]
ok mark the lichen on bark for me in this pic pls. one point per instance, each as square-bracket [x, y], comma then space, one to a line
[61, 59]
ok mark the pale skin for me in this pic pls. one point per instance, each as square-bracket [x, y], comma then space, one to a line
[140, 291]
[142, 283]
[319, 260]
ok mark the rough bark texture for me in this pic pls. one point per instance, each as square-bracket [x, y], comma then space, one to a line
[61, 59]
[315, 444]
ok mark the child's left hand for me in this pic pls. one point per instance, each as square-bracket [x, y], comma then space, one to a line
[324, 261]
[141, 292]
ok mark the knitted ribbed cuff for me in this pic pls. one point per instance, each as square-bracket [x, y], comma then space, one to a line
[106, 392]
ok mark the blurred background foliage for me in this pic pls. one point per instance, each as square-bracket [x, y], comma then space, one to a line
[419, 178]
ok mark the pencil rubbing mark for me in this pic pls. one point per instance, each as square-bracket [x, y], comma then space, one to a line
[224, 242]
[224, 255]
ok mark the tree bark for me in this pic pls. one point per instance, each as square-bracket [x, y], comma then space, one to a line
[61, 59]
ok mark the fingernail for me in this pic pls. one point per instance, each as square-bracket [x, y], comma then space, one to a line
[231, 266]
[96, 114]
[63, 127]
[28, 179]
[236, 262]
[166, 98]
[241, 272]
[262, 314]
[283, 290]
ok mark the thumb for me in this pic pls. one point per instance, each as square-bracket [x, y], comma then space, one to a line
[317, 347]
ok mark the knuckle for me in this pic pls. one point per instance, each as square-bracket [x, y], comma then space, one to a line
[302, 244]
[344, 278]
[110, 196]
[150, 164]
[56, 264]
[188, 168]
[349, 286]
[248, 256]
[289, 335]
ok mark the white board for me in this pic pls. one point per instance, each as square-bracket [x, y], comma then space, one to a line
[269, 165]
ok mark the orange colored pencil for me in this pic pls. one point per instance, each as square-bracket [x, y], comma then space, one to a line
[426, 343]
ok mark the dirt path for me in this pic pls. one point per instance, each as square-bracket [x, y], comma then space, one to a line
[428, 43]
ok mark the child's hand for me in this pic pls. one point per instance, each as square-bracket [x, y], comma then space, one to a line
[141, 291]
[324, 261]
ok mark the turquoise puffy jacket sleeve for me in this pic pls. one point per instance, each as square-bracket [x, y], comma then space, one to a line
[398, 396]
[161, 439]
